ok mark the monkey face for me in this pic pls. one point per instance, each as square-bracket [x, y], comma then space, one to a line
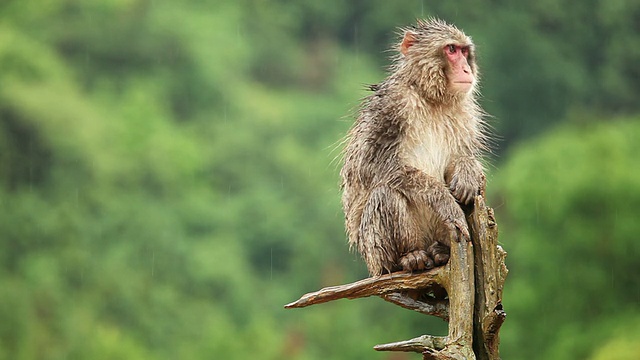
[459, 73]
[438, 58]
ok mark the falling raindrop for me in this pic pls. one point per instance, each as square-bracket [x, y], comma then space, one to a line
[224, 111]
[355, 41]
[30, 164]
[612, 279]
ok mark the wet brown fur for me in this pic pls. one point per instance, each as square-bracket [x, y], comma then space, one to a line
[412, 156]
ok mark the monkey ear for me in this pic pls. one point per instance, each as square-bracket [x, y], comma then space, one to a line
[408, 41]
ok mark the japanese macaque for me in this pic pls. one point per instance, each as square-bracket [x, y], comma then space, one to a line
[412, 157]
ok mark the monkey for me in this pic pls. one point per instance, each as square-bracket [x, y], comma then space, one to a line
[412, 158]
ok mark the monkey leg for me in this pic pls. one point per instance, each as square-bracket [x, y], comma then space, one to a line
[453, 228]
[442, 218]
[438, 210]
[389, 236]
[465, 178]
[437, 235]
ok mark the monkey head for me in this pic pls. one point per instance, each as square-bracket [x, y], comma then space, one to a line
[438, 58]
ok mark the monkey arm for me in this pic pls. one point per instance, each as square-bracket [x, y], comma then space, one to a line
[465, 178]
[431, 194]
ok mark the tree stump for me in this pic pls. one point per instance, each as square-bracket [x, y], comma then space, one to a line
[466, 292]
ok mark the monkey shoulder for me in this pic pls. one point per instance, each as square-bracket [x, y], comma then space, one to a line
[382, 123]
[371, 156]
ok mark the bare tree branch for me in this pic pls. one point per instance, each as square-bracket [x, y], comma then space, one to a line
[419, 344]
[435, 307]
[379, 285]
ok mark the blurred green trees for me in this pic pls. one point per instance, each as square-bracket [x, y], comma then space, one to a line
[168, 175]
[569, 203]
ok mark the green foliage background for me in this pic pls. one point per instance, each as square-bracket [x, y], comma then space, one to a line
[168, 175]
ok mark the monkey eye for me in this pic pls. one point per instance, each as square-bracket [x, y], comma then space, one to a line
[451, 48]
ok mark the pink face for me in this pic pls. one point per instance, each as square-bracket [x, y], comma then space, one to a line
[459, 72]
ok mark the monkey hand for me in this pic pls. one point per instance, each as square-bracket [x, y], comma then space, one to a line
[455, 225]
[466, 181]
[458, 230]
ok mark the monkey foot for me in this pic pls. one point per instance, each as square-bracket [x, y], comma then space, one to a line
[416, 260]
[439, 253]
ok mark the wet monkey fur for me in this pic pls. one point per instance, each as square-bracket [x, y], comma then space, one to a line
[412, 157]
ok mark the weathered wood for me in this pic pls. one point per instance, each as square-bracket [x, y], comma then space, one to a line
[418, 344]
[490, 274]
[379, 285]
[435, 307]
[459, 284]
[460, 287]
[473, 280]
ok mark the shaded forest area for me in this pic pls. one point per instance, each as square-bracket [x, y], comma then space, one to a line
[169, 175]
